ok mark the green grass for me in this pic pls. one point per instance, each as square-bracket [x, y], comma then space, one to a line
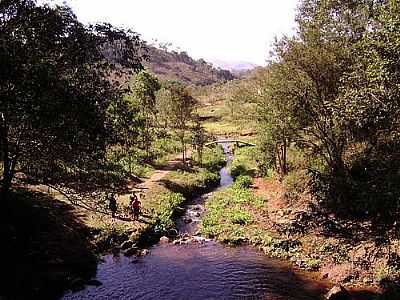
[229, 214]
[213, 158]
[219, 120]
[164, 214]
[244, 162]
[234, 216]
[191, 183]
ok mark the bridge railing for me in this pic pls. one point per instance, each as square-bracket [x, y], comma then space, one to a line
[230, 141]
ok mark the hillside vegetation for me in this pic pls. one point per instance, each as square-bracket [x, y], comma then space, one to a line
[179, 66]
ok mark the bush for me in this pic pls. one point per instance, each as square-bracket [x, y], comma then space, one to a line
[296, 183]
[213, 158]
[240, 217]
[243, 181]
[228, 216]
[191, 183]
[161, 147]
[244, 162]
[164, 220]
[110, 235]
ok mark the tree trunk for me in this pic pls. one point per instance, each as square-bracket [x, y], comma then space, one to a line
[183, 150]
[284, 160]
[201, 156]
[8, 172]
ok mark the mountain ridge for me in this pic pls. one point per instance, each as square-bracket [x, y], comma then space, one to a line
[179, 66]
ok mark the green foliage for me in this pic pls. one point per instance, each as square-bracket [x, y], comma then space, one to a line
[244, 162]
[175, 106]
[243, 182]
[332, 91]
[55, 88]
[296, 183]
[311, 264]
[240, 217]
[213, 158]
[169, 203]
[110, 234]
[228, 215]
[190, 183]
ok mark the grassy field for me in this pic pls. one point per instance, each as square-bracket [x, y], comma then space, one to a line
[218, 120]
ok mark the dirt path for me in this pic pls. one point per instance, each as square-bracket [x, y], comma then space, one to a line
[158, 175]
[150, 182]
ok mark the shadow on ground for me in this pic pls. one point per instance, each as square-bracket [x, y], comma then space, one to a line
[45, 248]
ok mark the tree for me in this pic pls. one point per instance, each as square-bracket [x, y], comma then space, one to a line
[199, 139]
[143, 92]
[277, 121]
[370, 94]
[176, 105]
[303, 91]
[55, 86]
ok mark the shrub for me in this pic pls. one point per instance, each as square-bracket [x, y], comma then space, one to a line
[296, 183]
[191, 183]
[243, 181]
[244, 162]
[110, 235]
[169, 203]
[213, 158]
[240, 217]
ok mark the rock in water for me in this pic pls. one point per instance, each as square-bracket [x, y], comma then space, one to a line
[94, 282]
[164, 240]
[144, 252]
[338, 292]
[77, 284]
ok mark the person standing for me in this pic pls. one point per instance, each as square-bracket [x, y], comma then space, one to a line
[112, 205]
[135, 206]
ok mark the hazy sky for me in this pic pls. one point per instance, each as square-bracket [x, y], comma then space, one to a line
[230, 30]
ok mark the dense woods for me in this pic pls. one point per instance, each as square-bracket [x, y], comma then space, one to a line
[331, 92]
[65, 113]
[55, 89]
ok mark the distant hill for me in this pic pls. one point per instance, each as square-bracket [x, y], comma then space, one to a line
[235, 67]
[179, 66]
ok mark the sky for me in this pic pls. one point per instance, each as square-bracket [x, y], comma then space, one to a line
[227, 30]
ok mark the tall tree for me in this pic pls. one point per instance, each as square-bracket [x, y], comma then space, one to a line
[305, 85]
[176, 106]
[55, 86]
[143, 92]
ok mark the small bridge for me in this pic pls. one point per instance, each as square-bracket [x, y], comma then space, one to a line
[231, 141]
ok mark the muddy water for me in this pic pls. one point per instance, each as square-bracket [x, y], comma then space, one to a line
[202, 269]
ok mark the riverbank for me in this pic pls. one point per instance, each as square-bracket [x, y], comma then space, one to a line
[198, 268]
[52, 245]
[265, 212]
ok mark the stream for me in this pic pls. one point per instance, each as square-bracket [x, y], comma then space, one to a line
[202, 269]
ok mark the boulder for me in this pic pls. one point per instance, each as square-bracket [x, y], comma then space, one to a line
[93, 282]
[77, 284]
[144, 252]
[164, 240]
[338, 292]
[199, 239]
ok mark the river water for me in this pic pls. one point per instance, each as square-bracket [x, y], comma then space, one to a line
[202, 269]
